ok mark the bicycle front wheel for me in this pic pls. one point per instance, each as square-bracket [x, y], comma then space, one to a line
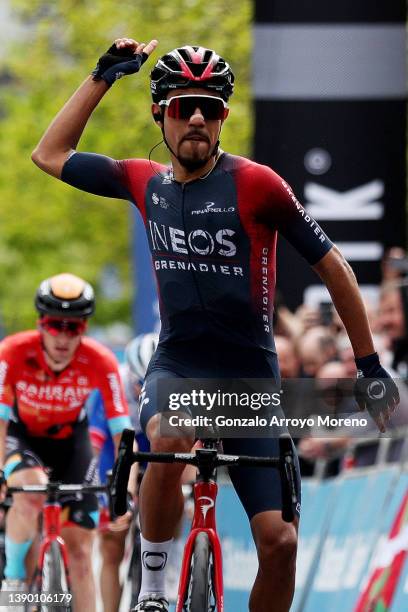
[200, 593]
[52, 582]
[135, 570]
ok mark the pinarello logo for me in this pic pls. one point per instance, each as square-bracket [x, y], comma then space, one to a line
[206, 504]
[211, 207]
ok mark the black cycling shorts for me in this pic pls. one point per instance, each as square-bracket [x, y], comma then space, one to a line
[69, 461]
[258, 488]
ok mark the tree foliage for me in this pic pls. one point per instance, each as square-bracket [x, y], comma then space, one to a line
[46, 226]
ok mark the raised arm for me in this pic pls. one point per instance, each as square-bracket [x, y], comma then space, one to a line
[64, 132]
[62, 136]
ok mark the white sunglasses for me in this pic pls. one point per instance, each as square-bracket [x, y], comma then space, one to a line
[183, 107]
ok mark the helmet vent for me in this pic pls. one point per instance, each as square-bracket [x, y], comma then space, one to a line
[172, 63]
[207, 56]
[197, 69]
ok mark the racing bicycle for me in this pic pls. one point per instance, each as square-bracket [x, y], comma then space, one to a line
[201, 582]
[50, 588]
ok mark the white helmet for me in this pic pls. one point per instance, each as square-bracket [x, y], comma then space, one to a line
[139, 352]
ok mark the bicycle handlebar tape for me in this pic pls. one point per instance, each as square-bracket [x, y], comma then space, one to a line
[121, 472]
[287, 478]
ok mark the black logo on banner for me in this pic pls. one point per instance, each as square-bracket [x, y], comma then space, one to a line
[154, 561]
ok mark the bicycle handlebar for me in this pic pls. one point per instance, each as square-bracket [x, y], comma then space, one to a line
[57, 488]
[121, 473]
[126, 457]
[193, 459]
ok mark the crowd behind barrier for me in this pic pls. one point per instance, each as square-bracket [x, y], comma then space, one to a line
[312, 344]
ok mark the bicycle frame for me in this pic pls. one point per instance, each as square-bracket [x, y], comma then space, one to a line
[206, 459]
[51, 532]
[205, 495]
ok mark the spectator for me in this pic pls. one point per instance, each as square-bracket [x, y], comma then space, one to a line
[285, 323]
[307, 317]
[316, 347]
[333, 399]
[394, 264]
[288, 360]
[392, 320]
[346, 355]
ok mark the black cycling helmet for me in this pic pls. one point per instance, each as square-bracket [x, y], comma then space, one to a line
[65, 295]
[191, 67]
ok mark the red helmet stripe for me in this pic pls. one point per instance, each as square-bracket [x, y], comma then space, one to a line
[197, 57]
[185, 70]
[208, 71]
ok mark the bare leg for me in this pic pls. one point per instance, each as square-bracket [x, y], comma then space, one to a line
[32, 558]
[112, 547]
[79, 543]
[276, 543]
[162, 482]
[22, 518]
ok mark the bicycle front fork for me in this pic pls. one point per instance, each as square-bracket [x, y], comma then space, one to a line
[205, 495]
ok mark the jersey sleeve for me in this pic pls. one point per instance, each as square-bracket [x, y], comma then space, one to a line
[97, 174]
[300, 229]
[113, 396]
[7, 396]
[279, 207]
[98, 426]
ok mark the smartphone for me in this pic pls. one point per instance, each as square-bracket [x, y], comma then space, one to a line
[326, 313]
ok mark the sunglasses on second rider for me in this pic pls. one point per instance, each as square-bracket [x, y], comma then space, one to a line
[55, 326]
[183, 107]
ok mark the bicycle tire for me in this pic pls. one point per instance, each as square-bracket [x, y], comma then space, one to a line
[200, 590]
[135, 569]
[53, 578]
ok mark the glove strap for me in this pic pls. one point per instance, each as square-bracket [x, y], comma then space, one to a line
[366, 364]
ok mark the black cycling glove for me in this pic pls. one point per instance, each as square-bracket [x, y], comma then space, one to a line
[375, 390]
[116, 63]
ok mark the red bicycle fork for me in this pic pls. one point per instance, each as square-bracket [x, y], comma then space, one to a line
[51, 532]
[205, 495]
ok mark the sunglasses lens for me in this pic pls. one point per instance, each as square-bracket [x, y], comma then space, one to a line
[57, 326]
[184, 107]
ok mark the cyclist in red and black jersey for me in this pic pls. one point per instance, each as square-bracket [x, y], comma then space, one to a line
[46, 376]
[212, 221]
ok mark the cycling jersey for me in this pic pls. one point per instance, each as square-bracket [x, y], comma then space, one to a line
[213, 244]
[213, 241]
[43, 403]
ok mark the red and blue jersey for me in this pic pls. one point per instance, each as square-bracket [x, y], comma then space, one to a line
[213, 241]
[48, 404]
